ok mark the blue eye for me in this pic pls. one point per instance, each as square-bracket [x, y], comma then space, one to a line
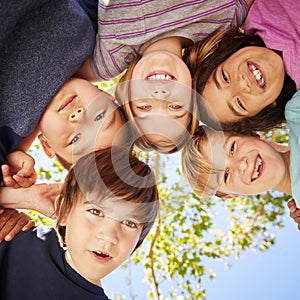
[76, 138]
[99, 117]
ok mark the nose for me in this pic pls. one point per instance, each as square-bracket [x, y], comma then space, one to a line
[76, 114]
[108, 231]
[244, 84]
[239, 164]
[160, 93]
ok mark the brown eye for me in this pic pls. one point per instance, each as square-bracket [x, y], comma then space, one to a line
[225, 78]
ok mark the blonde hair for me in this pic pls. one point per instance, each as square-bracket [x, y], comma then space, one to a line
[122, 95]
[196, 169]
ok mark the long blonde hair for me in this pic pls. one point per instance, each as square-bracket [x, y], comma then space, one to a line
[122, 95]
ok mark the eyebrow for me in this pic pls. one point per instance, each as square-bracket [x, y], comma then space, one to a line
[111, 121]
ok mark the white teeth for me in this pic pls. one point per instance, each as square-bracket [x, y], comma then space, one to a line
[257, 169]
[257, 75]
[160, 77]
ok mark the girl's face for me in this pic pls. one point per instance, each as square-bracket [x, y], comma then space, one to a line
[251, 165]
[244, 84]
[161, 87]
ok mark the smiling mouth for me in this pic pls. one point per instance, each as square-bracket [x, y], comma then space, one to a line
[158, 76]
[68, 102]
[258, 167]
[102, 256]
[257, 75]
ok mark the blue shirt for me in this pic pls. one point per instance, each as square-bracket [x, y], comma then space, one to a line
[33, 267]
[292, 115]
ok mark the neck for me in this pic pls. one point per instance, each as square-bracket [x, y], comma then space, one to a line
[173, 44]
[285, 184]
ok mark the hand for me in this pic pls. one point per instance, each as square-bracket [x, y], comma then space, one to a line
[294, 212]
[42, 197]
[19, 170]
[12, 222]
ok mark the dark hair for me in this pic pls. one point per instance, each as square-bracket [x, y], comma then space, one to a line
[111, 173]
[203, 58]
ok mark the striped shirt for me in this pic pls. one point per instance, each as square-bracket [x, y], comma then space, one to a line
[127, 27]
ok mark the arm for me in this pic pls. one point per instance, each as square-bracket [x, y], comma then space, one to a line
[13, 221]
[294, 212]
[39, 197]
[86, 71]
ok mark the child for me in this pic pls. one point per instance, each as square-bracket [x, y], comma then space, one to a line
[102, 219]
[42, 44]
[85, 119]
[156, 30]
[246, 78]
[231, 165]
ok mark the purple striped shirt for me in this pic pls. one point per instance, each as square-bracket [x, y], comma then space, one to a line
[127, 27]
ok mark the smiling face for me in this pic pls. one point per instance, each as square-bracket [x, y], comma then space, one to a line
[244, 84]
[100, 239]
[79, 119]
[161, 86]
[251, 165]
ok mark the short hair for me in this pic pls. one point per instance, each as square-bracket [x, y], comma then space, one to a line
[122, 95]
[111, 173]
[196, 170]
[205, 56]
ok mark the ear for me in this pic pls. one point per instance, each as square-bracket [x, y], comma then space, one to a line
[46, 147]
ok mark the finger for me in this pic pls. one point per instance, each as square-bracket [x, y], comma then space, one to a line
[4, 218]
[23, 181]
[29, 225]
[15, 225]
[7, 178]
[27, 168]
[292, 205]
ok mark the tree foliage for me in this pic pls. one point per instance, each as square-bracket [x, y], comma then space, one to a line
[191, 231]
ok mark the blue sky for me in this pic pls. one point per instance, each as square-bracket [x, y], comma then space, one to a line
[256, 275]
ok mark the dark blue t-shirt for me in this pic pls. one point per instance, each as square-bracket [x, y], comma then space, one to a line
[33, 267]
[42, 44]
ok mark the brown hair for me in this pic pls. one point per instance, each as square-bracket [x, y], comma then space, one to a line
[122, 95]
[113, 172]
[204, 57]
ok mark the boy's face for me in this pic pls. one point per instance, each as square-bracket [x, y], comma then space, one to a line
[100, 239]
[100, 121]
[251, 165]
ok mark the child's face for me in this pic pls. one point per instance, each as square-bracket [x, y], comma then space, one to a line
[251, 165]
[161, 89]
[244, 84]
[100, 121]
[100, 239]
